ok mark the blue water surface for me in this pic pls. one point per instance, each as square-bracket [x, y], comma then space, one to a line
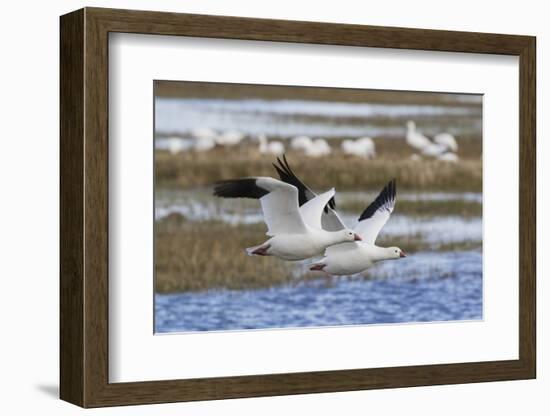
[425, 287]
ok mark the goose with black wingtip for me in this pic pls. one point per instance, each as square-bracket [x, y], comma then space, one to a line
[296, 231]
[352, 257]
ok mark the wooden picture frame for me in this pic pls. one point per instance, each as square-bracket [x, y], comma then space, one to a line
[84, 207]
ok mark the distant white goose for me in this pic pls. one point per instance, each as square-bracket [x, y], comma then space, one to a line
[273, 147]
[448, 157]
[434, 150]
[362, 147]
[176, 145]
[296, 232]
[416, 139]
[441, 146]
[300, 143]
[368, 144]
[203, 144]
[204, 133]
[353, 257]
[348, 147]
[447, 140]
[318, 148]
[230, 138]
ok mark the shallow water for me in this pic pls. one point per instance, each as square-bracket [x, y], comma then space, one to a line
[289, 118]
[200, 200]
[426, 287]
[199, 205]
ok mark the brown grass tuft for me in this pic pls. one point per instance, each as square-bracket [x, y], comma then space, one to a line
[190, 169]
[196, 256]
[192, 256]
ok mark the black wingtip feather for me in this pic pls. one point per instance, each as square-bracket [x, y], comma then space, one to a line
[280, 172]
[239, 188]
[385, 197]
[286, 174]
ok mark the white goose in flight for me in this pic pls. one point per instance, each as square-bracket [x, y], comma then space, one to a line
[352, 257]
[296, 231]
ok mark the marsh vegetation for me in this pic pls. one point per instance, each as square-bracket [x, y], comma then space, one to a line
[190, 169]
[200, 246]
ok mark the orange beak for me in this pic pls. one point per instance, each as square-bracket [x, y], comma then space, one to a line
[402, 254]
[357, 237]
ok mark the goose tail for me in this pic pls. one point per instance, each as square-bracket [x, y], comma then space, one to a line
[260, 250]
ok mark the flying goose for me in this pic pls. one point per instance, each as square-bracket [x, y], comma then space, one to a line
[296, 231]
[353, 257]
[330, 220]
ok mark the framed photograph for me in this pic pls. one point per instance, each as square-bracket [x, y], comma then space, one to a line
[255, 207]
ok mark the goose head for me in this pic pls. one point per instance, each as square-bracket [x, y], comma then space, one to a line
[394, 253]
[349, 235]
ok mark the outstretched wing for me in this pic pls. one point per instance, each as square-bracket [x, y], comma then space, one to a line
[375, 216]
[279, 201]
[312, 210]
[304, 192]
[330, 220]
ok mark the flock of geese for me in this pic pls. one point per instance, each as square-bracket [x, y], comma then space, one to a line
[302, 224]
[443, 146]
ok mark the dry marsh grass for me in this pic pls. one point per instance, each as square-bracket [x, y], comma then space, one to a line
[190, 169]
[197, 256]
[192, 256]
